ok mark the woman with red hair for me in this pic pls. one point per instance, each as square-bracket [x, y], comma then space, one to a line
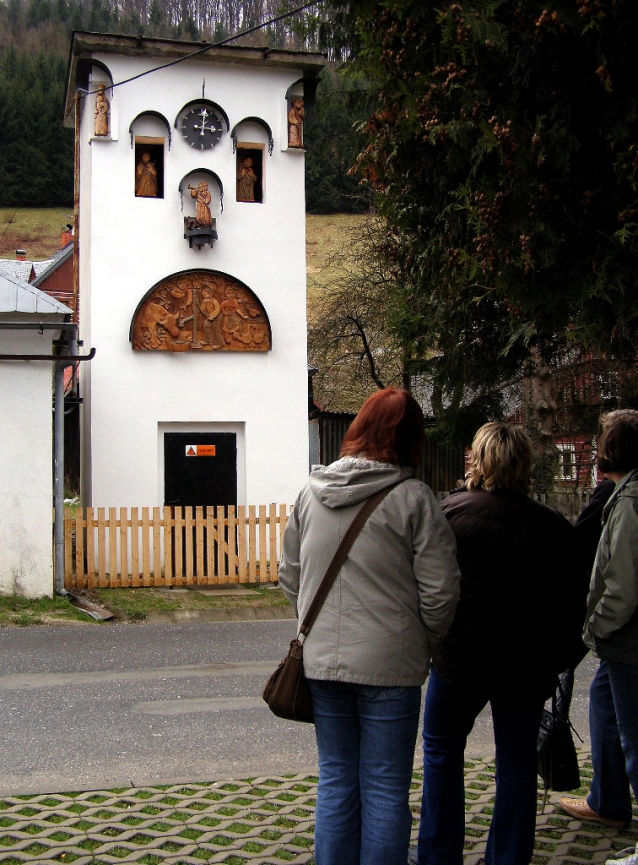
[368, 652]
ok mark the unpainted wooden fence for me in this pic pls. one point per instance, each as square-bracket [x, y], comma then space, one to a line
[172, 546]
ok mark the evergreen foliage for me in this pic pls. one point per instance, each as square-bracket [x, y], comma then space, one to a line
[36, 152]
[503, 154]
[332, 128]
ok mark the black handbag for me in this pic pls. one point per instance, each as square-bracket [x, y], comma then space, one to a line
[557, 758]
[286, 692]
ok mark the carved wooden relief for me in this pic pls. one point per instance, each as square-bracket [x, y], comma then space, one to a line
[200, 310]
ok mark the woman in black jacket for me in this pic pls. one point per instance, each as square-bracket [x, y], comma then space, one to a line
[517, 624]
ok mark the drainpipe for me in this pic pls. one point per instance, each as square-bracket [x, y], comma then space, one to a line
[58, 464]
[61, 362]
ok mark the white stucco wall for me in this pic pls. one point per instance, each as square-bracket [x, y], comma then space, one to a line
[26, 474]
[128, 244]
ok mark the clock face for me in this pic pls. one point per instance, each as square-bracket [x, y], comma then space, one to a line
[201, 128]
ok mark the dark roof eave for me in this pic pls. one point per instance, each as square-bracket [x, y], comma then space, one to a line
[85, 44]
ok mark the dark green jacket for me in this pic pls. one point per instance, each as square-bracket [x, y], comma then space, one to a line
[611, 624]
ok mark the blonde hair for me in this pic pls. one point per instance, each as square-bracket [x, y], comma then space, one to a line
[502, 458]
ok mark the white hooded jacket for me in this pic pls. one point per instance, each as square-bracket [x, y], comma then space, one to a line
[396, 593]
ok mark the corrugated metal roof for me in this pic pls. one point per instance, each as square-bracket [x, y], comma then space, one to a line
[18, 296]
[19, 269]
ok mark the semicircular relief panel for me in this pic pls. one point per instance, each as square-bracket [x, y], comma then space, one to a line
[200, 310]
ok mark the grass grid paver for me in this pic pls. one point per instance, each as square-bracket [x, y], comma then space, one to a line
[259, 821]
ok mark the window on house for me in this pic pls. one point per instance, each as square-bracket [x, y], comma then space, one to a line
[567, 462]
[250, 172]
[149, 167]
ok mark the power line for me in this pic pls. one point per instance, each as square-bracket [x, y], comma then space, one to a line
[211, 45]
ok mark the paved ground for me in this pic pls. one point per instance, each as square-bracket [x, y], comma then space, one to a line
[256, 820]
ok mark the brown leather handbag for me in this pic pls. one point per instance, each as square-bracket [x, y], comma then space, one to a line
[286, 692]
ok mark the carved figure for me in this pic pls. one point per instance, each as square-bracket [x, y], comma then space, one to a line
[246, 179]
[101, 112]
[154, 319]
[146, 177]
[295, 123]
[212, 326]
[202, 200]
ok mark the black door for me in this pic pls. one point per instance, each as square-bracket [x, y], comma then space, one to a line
[200, 469]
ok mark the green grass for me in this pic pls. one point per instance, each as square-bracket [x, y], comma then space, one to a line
[138, 604]
[36, 230]
[21, 612]
[130, 604]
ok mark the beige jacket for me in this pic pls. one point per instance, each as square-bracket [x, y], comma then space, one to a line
[396, 593]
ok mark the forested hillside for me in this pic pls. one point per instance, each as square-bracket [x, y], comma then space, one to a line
[36, 151]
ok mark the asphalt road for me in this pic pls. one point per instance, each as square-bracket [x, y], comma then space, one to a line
[85, 707]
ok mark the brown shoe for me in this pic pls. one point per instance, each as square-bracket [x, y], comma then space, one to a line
[580, 809]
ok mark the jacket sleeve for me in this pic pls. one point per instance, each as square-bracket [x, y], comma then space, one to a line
[289, 568]
[435, 567]
[619, 599]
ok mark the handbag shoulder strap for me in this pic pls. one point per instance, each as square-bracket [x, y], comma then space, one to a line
[340, 555]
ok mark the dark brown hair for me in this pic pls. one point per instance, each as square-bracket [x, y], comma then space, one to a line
[389, 428]
[618, 445]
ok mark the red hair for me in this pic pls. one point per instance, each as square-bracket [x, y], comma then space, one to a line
[389, 428]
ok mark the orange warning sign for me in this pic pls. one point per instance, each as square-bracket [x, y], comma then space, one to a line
[201, 450]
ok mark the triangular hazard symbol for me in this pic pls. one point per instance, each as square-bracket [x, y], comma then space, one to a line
[190, 451]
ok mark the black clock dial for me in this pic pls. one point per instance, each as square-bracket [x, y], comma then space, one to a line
[201, 128]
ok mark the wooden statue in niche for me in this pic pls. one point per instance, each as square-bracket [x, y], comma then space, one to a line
[101, 112]
[295, 123]
[249, 169]
[200, 310]
[246, 180]
[202, 201]
[146, 177]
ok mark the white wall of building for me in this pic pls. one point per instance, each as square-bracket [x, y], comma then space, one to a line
[129, 244]
[26, 473]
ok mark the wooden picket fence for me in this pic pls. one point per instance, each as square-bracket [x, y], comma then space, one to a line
[172, 546]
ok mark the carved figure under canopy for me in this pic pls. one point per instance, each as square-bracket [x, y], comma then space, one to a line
[200, 310]
[101, 112]
[246, 179]
[295, 123]
[146, 177]
[202, 200]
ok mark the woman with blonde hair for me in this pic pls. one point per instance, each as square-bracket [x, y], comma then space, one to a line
[517, 624]
[368, 652]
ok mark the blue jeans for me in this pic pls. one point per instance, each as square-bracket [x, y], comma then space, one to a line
[613, 726]
[450, 712]
[366, 737]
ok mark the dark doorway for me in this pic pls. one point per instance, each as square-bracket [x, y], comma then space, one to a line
[200, 469]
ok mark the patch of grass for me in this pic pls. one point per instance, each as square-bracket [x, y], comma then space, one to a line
[191, 834]
[301, 841]
[38, 230]
[16, 611]
[139, 603]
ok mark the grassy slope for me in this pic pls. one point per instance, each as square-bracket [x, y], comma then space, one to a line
[38, 231]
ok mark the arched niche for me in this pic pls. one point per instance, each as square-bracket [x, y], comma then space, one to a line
[193, 178]
[304, 88]
[84, 70]
[200, 310]
[259, 122]
[151, 114]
